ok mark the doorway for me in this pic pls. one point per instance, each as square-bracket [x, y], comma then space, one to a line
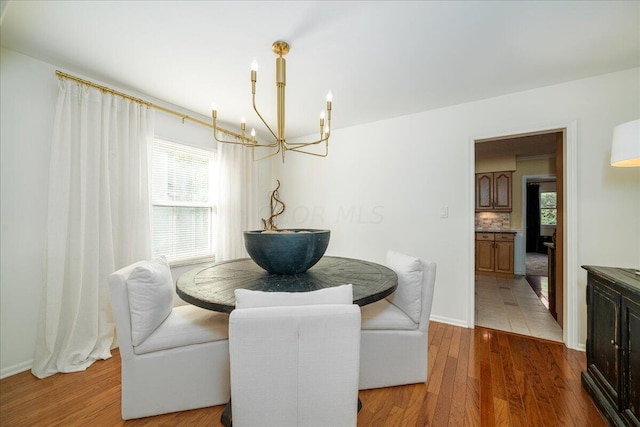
[539, 216]
[537, 155]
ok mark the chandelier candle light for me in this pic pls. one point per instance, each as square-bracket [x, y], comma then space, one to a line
[279, 144]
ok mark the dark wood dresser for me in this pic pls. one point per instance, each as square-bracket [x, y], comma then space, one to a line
[612, 377]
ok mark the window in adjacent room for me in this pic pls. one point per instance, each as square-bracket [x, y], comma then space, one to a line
[182, 198]
[548, 208]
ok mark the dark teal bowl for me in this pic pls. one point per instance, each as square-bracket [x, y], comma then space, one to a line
[287, 253]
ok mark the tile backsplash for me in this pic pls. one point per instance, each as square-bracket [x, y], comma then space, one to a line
[493, 221]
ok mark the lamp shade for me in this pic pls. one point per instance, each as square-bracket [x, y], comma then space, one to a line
[625, 149]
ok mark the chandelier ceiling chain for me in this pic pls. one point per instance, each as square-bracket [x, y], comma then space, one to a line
[279, 143]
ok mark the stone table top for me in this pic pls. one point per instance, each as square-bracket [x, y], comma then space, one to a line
[212, 286]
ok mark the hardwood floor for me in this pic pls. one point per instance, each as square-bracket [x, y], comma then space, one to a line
[477, 377]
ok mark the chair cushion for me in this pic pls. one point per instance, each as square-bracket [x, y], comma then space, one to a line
[408, 294]
[186, 325]
[336, 295]
[150, 290]
[382, 315]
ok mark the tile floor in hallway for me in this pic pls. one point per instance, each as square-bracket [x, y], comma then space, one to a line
[511, 305]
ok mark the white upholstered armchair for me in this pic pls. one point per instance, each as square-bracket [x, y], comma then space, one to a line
[294, 359]
[173, 358]
[395, 330]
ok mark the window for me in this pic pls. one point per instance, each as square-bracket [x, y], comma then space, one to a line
[182, 201]
[548, 207]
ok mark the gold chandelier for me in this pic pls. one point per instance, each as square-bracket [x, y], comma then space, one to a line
[279, 143]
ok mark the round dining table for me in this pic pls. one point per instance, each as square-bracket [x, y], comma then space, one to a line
[212, 286]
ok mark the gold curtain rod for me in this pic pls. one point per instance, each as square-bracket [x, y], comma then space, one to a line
[184, 117]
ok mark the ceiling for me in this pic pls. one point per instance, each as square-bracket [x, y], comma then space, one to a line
[380, 59]
[521, 147]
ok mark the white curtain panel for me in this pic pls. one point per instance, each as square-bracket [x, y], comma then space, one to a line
[237, 204]
[98, 221]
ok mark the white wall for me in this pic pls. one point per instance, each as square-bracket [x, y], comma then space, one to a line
[384, 183]
[28, 89]
[28, 96]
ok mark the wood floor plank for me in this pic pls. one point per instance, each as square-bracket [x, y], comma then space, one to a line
[501, 412]
[394, 417]
[472, 408]
[547, 414]
[514, 398]
[427, 410]
[436, 331]
[483, 352]
[454, 347]
[530, 386]
[477, 377]
[411, 413]
[486, 395]
[435, 381]
[445, 394]
[474, 356]
[458, 400]
[497, 375]
[552, 380]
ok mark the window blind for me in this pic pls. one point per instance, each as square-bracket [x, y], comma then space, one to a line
[182, 198]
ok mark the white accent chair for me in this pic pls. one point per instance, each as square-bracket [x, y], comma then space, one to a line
[395, 330]
[173, 358]
[294, 360]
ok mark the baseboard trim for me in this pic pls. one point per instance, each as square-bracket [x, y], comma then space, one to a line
[16, 369]
[450, 321]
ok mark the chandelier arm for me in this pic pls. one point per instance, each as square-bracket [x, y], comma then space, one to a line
[326, 153]
[275, 153]
[247, 141]
[326, 148]
[253, 101]
[324, 137]
[214, 116]
[296, 145]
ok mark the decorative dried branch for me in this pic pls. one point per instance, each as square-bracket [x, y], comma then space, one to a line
[270, 223]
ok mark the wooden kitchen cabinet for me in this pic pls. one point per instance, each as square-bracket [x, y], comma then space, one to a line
[485, 256]
[504, 253]
[493, 192]
[494, 254]
[612, 378]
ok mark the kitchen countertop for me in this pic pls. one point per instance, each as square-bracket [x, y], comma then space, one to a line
[478, 230]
